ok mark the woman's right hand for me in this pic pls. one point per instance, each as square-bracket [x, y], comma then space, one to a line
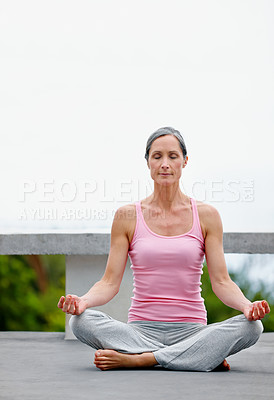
[256, 310]
[72, 304]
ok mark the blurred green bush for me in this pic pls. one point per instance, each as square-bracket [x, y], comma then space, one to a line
[30, 287]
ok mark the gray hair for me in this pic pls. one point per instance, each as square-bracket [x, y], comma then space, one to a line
[162, 132]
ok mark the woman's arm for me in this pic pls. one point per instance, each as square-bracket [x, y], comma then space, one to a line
[222, 285]
[108, 286]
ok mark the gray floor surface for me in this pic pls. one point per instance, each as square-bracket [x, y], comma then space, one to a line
[41, 365]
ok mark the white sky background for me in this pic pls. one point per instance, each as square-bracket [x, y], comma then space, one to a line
[83, 85]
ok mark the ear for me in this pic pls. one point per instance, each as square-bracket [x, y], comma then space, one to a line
[185, 162]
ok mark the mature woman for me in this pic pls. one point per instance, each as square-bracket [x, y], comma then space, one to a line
[166, 237]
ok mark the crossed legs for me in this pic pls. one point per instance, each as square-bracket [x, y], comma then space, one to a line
[178, 346]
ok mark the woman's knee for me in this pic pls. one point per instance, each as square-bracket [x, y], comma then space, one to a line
[258, 328]
[86, 324]
[76, 323]
[253, 330]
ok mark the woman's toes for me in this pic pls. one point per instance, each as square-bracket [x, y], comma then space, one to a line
[98, 353]
[224, 366]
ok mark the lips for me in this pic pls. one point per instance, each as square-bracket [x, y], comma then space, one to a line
[165, 174]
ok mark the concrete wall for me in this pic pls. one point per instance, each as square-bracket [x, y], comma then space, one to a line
[83, 271]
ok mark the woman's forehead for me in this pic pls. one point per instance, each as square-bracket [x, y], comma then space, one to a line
[169, 142]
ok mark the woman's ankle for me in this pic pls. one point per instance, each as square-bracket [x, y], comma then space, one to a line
[146, 360]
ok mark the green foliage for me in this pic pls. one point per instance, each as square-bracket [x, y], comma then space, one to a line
[23, 306]
[55, 268]
[217, 311]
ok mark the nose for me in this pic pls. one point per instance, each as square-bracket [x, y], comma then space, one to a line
[165, 164]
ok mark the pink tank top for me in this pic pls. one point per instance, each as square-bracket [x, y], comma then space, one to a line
[167, 273]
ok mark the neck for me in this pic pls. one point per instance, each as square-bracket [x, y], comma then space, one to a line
[168, 197]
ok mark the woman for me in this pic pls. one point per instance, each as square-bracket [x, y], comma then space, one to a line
[166, 236]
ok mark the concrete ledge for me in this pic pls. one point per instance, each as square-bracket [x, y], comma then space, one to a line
[249, 242]
[99, 243]
[55, 243]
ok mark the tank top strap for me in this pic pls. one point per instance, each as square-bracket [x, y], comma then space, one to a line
[140, 224]
[197, 230]
[138, 208]
[140, 230]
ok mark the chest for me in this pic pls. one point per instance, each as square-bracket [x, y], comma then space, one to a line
[167, 254]
[168, 224]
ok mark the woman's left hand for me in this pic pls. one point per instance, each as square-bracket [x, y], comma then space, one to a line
[256, 310]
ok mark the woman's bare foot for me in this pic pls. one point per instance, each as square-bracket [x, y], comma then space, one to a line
[224, 366]
[109, 359]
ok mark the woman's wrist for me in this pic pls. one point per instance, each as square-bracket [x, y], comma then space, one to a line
[85, 299]
[246, 304]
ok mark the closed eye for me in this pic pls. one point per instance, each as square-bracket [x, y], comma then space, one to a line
[170, 157]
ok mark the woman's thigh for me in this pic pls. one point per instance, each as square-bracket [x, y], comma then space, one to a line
[237, 330]
[208, 347]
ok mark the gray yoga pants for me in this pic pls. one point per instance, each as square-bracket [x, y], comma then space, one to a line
[175, 345]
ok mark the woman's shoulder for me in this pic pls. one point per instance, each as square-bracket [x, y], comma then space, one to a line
[206, 209]
[126, 212]
[125, 216]
[209, 216]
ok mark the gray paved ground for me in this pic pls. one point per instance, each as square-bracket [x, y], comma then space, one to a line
[45, 366]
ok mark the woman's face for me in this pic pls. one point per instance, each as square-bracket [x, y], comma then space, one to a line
[166, 160]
